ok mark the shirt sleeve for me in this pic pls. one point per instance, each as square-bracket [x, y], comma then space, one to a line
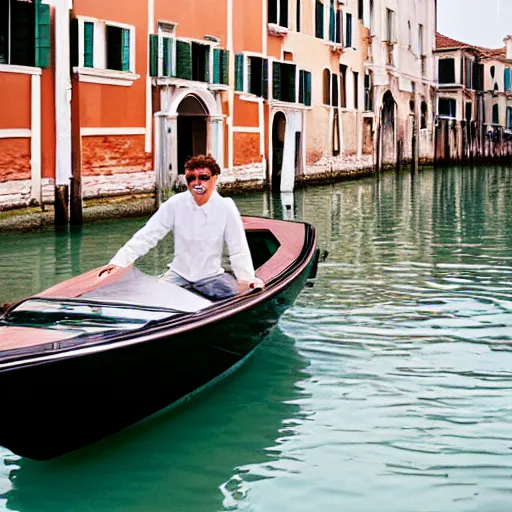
[238, 248]
[147, 237]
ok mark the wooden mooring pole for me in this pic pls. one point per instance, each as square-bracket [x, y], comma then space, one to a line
[75, 206]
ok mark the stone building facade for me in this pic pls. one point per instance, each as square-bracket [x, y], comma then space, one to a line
[474, 101]
[276, 90]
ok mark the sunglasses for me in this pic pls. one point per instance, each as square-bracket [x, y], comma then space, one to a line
[202, 177]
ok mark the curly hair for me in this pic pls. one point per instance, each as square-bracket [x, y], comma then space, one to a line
[203, 162]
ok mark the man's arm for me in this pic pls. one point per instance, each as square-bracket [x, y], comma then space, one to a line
[238, 249]
[147, 237]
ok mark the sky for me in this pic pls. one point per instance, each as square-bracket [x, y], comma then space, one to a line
[478, 22]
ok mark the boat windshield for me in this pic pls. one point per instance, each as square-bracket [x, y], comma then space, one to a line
[84, 316]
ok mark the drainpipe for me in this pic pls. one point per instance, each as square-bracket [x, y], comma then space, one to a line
[62, 109]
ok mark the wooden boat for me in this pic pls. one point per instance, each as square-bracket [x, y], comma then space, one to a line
[91, 356]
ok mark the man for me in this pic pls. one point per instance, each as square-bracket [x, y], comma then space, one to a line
[202, 221]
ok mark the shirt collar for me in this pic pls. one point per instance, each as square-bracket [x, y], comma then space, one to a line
[206, 208]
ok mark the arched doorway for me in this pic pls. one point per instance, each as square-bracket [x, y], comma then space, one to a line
[388, 129]
[192, 130]
[278, 133]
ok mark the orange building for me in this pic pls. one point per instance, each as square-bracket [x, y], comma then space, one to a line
[122, 93]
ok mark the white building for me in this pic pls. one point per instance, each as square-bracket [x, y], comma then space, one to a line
[400, 69]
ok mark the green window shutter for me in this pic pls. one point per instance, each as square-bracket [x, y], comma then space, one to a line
[184, 60]
[292, 90]
[225, 67]
[166, 56]
[207, 64]
[217, 66]
[302, 80]
[307, 87]
[264, 78]
[88, 44]
[125, 48]
[42, 35]
[239, 72]
[153, 55]
[276, 80]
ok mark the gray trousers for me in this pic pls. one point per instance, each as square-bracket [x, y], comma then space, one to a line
[221, 286]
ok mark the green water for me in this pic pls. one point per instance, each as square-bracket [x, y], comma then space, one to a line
[387, 387]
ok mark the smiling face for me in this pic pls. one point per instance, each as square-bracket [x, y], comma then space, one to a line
[201, 184]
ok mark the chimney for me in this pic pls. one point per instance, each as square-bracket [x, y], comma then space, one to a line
[508, 46]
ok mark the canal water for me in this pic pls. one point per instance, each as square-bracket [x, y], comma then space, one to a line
[387, 387]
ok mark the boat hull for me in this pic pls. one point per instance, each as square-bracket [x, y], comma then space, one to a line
[56, 406]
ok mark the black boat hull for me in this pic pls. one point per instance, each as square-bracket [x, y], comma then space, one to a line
[57, 406]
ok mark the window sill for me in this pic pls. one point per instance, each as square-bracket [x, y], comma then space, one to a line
[22, 70]
[277, 30]
[247, 96]
[183, 82]
[450, 86]
[336, 48]
[106, 76]
[218, 87]
[289, 105]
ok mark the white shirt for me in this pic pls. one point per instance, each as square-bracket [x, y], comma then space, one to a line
[199, 235]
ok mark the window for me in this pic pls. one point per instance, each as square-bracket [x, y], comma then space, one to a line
[334, 23]
[220, 66]
[319, 19]
[368, 92]
[24, 33]
[200, 62]
[468, 73]
[424, 111]
[165, 51]
[327, 87]
[506, 80]
[448, 107]
[258, 76]
[278, 12]
[334, 90]
[256, 80]
[305, 87]
[495, 114]
[478, 76]
[469, 111]
[446, 71]
[509, 118]
[409, 35]
[356, 90]
[348, 30]
[118, 48]
[283, 81]
[372, 18]
[298, 16]
[103, 45]
[421, 44]
[360, 9]
[343, 89]
[493, 71]
[390, 26]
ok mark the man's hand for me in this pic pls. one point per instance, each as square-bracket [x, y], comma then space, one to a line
[108, 270]
[257, 284]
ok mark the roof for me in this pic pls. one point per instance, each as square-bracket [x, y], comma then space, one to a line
[444, 42]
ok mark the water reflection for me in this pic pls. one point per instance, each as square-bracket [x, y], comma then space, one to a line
[407, 340]
[179, 460]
